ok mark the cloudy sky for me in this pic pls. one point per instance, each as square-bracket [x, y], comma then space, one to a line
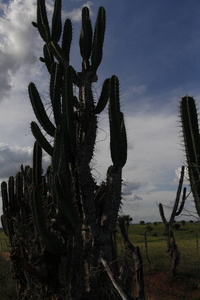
[154, 49]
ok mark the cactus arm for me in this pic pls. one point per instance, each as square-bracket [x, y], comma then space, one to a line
[162, 214]
[103, 99]
[182, 202]
[175, 211]
[5, 218]
[4, 196]
[41, 139]
[177, 197]
[42, 21]
[11, 192]
[67, 39]
[48, 57]
[58, 53]
[98, 39]
[55, 87]
[39, 110]
[19, 188]
[56, 22]
[52, 243]
[85, 41]
[190, 129]
[118, 140]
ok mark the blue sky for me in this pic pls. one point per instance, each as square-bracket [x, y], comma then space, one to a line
[154, 49]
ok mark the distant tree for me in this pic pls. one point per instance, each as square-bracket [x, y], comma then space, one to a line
[149, 228]
[191, 221]
[142, 222]
[183, 222]
[155, 223]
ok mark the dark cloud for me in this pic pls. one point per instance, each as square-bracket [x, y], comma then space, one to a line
[130, 187]
[137, 198]
[12, 158]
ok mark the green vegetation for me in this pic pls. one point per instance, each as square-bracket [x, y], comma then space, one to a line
[185, 239]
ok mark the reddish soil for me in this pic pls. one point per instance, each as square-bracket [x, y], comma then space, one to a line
[5, 255]
[161, 287]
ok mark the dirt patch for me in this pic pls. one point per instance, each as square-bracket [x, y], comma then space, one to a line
[5, 255]
[161, 287]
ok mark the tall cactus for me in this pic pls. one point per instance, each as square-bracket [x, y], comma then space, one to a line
[72, 219]
[191, 138]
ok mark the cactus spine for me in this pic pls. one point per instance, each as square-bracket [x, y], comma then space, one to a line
[71, 218]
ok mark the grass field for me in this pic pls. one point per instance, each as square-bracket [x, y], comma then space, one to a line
[186, 240]
[158, 280]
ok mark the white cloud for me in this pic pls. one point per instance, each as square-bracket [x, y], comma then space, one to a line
[11, 159]
[75, 14]
[18, 42]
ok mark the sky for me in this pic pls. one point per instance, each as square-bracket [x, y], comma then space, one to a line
[154, 49]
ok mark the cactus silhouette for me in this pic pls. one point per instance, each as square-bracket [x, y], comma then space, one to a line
[190, 130]
[172, 249]
[61, 224]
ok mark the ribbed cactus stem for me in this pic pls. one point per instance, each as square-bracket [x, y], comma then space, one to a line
[48, 57]
[103, 99]
[175, 211]
[55, 92]
[42, 21]
[85, 41]
[190, 129]
[41, 138]
[39, 110]
[118, 140]
[52, 243]
[67, 39]
[98, 39]
[178, 195]
[56, 28]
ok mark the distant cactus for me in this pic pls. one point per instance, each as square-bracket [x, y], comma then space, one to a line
[191, 138]
[172, 249]
[61, 225]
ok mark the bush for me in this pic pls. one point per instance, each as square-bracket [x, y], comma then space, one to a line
[149, 228]
[142, 222]
[176, 226]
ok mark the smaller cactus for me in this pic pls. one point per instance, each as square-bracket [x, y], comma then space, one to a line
[172, 250]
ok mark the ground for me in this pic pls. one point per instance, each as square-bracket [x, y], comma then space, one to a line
[161, 286]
